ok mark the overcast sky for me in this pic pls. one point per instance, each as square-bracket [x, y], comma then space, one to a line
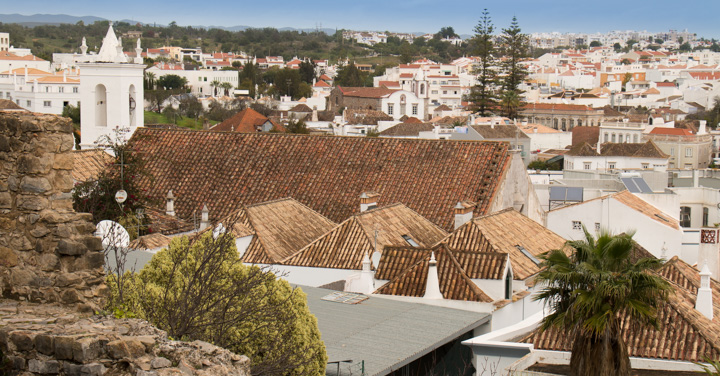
[698, 16]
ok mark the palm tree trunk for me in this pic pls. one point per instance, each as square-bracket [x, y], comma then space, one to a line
[599, 356]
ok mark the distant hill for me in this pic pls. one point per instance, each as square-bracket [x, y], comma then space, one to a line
[46, 19]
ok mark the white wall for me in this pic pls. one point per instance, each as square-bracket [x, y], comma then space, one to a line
[618, 218]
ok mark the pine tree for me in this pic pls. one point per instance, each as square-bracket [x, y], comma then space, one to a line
[483, 95]
[515, 49]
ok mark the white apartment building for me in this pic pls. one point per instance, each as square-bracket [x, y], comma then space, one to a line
[200, 81]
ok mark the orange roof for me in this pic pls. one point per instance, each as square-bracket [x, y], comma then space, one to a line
[325, 77]
[30, 71]
[246, 121]
[321, 83]
[58, 80]
[4, 55]
[671, 131]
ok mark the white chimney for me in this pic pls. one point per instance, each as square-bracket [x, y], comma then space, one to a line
[170, 207]
[432, 288]
[368, 200]
[204, 218]
[704, 303]
[463, 212]
[702, 129]
[367, 280]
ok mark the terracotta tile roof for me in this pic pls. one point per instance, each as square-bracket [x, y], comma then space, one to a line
[366, 117]
[557, 107]
[530, 128]
[166, 224]
[442, 107]
[150, 241]
[502, 232]
[227, 170]
[665, 84]
[581, 135]
[646, 150]
[344, 246]
[325, 77]
[493, 132]
[58, 80]
[301, 108]
[321, 83]
[454, 283]
[367, 92]
[6, 104]
[582, 150]
[687, 278]
[671, 131]
[685, 334]
[246, 121]
[389, 84]
[407, 129]
[4, 55]
[88, 164]
[30, 71]
[282, 227]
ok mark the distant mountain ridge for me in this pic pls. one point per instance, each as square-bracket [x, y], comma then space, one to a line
[58, 19]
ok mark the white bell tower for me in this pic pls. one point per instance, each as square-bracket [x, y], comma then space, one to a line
[111, 92]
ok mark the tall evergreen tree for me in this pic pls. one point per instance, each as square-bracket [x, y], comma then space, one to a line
[483, 95]
[515, 49]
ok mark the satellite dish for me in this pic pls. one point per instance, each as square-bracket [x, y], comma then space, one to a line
[219, 229]
[375, 259]
[112, 234]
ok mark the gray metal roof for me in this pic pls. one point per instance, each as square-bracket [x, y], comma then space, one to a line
[386, 334]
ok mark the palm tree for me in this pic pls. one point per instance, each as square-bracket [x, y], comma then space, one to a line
[510, 103]
[149, 80]
[215, 84]
[226, 86]
[592, 291]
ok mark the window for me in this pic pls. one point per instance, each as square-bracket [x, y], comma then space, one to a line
[706, 216]
[645, 166]
[587, 165]
[576, 225]
[672, 151]
[606, 137]
[199, 78]
[410, 241]
[46, 104]
[47, 89]
[61, 89]
[597, 227]
[688, 152]
[415, 109]
[29, 103]
[434, 92]
[444, 91]
[685, 216]
[75, 90]
[390, 108]
[611, 165]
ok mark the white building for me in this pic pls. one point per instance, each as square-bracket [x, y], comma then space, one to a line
[4, 41]
[111, 92]
[200, 81]
[616, 156]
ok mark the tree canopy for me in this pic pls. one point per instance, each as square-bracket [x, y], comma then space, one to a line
[590, 291]
[199, 289]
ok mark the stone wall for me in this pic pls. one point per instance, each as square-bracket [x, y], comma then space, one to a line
[48, 339]
[47, 251]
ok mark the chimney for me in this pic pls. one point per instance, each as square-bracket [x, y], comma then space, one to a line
[432, 288]
[367, 280]
[696, 178]
[170, 207]
[702, 129]
[704, 302]
[463, 212]
[204, 218]
[368, 201]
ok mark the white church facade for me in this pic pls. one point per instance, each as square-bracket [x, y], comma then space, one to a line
[111, 92]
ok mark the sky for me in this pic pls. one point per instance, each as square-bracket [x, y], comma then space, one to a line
[698, 16]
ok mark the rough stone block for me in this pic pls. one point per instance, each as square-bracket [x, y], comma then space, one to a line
[160, 362]
[93, 243]
[23, 340]
[121, 349]
[45, 344]
[13, 183]
[71, 248]
[86, 349]
[6, 200]
[95, 260]
[39, 231]
[35, 203]
[8, 258]
[44, 367]
[64, 348]
[64, 162]
[35, 184]
[21, 277]
[29, 164]
[30, 126]
[4, 144]
[48, 262]
[70, 296]
[93, 369]
[20, 243]
[68, 279]
[17, 363]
